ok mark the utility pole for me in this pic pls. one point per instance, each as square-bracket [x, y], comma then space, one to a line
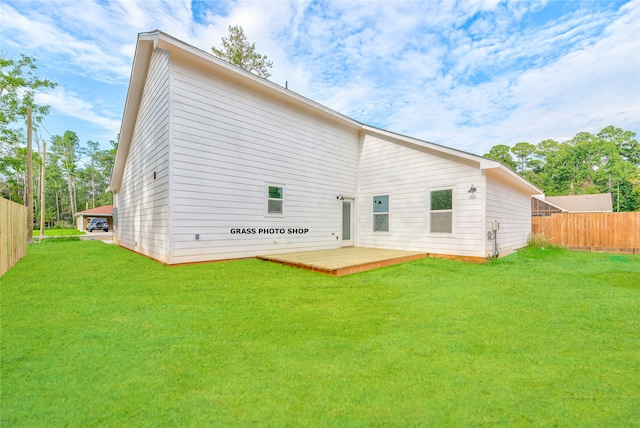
[42, 189]
[29, 179]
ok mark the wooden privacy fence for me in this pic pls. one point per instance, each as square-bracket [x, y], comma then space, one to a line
[612, 232]
[13, 234]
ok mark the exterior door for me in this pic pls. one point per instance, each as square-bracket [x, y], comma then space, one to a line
[347, 223]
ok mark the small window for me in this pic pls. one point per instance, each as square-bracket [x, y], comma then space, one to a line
[442, 211]
[381, 213]
[275, 199]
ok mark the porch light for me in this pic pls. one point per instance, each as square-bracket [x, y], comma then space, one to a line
[472, 189]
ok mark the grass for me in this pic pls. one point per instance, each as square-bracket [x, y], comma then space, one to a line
[59, 232]
[94, 335]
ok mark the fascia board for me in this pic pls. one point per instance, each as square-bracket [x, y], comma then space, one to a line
[178, 49]
[504, 173]
[141, 58]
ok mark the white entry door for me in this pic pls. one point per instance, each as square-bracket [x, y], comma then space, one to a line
[347, 223]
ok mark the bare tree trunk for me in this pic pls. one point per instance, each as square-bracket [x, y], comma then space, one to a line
[23, 179]
[29, 202]
[43, 189]
[70, 187]
[75, 202]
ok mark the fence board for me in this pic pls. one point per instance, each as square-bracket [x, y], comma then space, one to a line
[13, 234]
[619, 232]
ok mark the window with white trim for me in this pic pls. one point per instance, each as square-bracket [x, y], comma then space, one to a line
[381, 213]
[441, 211]
[275, 200]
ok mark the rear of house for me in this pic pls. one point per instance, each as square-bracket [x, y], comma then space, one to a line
[216, 163]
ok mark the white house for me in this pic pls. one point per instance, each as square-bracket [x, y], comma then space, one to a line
[216, 163]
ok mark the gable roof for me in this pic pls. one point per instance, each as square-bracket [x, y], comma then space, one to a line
[599, 202]
[103, 210]
[147, 42]
[542, 198]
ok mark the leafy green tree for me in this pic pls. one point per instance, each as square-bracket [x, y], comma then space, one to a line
[66, 150]
[502, 153]
[93, 178]
[13, 170]
[547, 146]
[605, 162]
[522, 151]
[56, 192]
[625, 142]
[19, 82]
[237, 50]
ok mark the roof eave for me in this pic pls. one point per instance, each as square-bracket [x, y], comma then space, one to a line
[542, 199]
[141, 58]
[506, 173]
[150, 40]
[147, 42]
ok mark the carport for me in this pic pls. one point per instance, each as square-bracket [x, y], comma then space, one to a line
[83, 217]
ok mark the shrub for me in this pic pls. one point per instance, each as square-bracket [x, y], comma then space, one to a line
[539, 240]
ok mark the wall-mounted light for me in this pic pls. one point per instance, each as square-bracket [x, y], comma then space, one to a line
[340, 197]
[472, 189]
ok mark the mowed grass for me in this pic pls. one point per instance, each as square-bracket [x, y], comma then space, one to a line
[59, 232]
[94, 335]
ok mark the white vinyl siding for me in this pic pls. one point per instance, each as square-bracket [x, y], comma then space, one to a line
[409, 173]
[207, 142]
[227, 143]
[143, 200]
[512, 208]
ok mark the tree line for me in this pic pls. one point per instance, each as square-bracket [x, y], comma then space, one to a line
[77, 175]
[608, 161]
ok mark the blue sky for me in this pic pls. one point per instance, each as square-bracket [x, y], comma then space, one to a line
[465, 74]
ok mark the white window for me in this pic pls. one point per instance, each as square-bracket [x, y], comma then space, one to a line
[381, 213]
[441, 211]
[275, 200]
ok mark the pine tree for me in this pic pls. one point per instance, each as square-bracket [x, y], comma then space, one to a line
[237, 51]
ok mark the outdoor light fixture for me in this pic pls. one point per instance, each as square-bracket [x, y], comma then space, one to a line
[340, 197]
[472, 189]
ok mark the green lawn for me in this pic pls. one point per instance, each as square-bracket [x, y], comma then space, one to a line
[94, 335]
[59, 232]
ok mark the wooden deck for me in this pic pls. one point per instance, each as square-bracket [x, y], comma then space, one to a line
[344, 261]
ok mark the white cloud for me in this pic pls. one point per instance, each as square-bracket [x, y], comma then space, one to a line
[45, 37]
[466, 73]
[584, 90]
[71, 104]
